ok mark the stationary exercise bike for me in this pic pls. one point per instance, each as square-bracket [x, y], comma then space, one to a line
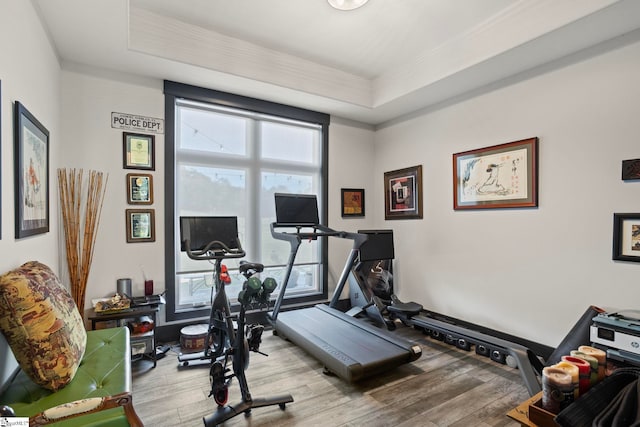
[197, 234]
[224, 341]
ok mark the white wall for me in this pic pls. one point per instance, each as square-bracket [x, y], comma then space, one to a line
[351, 160]
[91, 143]
[529, 272]
[89, 96]
[29, 73]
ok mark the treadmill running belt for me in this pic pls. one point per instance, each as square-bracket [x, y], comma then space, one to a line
[349, 348]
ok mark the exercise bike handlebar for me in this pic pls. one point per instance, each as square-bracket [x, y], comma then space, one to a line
[215, 250]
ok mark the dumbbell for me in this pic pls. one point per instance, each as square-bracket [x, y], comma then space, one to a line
[251, 289]
[268, 286]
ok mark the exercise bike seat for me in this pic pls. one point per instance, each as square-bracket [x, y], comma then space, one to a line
[408, 309]
[246, 266]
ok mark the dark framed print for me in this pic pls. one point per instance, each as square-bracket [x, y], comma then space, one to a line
[0, 159]
[626, 237]
[403, 193]
[31, 168]
[138, 151]
[630, 169]
[139, 189]
[140, 225]
[500, 176]
[352, 202]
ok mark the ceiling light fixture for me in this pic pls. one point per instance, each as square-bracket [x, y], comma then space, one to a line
[347, 4]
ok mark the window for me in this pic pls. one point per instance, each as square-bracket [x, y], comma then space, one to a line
[227, 155]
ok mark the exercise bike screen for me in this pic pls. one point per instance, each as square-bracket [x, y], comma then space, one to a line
[378, 246]
[296, 209]
[202, 230]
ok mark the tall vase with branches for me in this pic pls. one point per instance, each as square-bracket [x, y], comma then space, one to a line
[80, 217]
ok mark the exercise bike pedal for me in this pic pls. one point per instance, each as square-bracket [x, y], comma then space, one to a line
[254, 337]
[220, 396]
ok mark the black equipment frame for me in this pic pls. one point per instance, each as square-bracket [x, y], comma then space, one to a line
[350, 348]
[229, 343]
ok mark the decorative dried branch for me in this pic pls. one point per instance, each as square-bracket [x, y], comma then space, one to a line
[77, 222]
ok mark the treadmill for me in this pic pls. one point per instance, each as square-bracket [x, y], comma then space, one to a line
[350, 348]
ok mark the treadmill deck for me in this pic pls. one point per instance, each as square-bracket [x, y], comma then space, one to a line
[349, 348]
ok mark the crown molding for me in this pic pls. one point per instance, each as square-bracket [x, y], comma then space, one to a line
[169, 38]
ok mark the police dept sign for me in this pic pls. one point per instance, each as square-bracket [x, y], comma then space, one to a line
[138, 123]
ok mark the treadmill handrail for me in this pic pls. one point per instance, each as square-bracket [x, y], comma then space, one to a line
[296, 238]
[318, 231]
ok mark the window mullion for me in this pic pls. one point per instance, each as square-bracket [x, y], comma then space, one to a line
[253, 214]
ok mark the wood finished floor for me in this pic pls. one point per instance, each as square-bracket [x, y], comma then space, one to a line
[445, 387]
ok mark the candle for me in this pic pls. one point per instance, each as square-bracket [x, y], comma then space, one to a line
[598, 354]
[572, 370]
[584, 373]
[557, 389]
[593, 362]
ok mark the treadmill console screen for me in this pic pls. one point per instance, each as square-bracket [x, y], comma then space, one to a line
[296, 209]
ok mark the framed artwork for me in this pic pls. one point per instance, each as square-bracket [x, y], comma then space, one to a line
[0, 158]
[630, 169]
[139, 189]
[31, 168]
[352, 202]
[403, 193]
[140, 225]
[626, 237]
[138, 151]
[501, 176]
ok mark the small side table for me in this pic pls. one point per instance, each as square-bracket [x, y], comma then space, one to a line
[132, 313]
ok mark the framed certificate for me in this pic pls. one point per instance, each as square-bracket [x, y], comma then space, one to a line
[139, 189]
[138, 151]
[140, 225]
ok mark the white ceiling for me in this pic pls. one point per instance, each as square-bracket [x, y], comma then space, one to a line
[374, 64]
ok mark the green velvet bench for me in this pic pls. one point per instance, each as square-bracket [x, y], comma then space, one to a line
[67, 376]
[101, 388]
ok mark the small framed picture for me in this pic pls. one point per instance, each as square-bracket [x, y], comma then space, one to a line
[138, 151]
[630, 169]
[626, 237]
[352, 202]
[403, 193]
[140, 225]
[139, 189]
